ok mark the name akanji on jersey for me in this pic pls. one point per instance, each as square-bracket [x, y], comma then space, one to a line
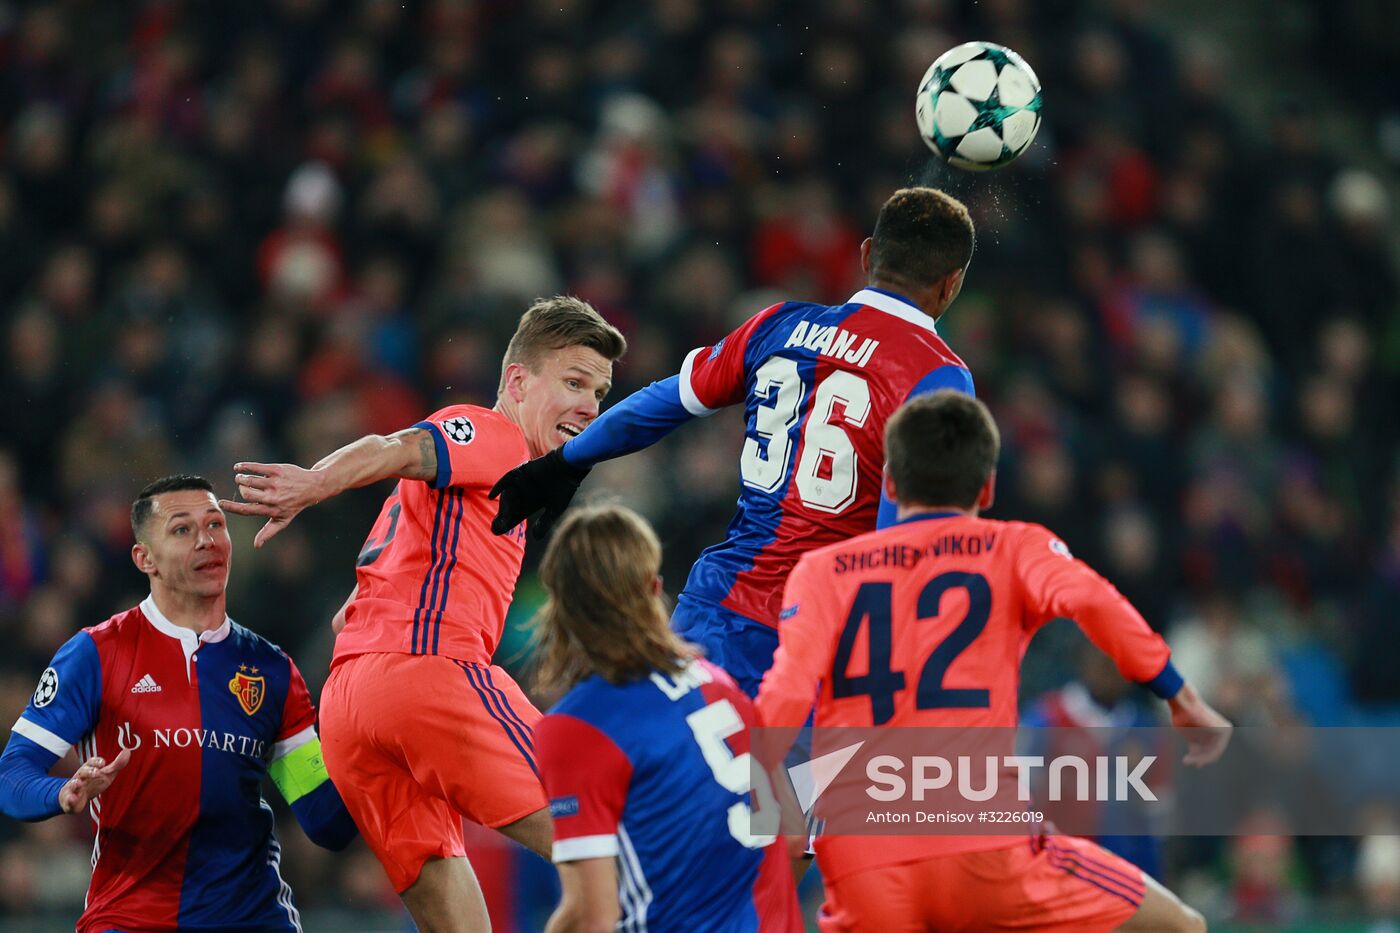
[818, 384]
[925, 624]
[432, 578]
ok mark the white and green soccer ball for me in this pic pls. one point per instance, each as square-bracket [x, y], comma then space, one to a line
[978, 106]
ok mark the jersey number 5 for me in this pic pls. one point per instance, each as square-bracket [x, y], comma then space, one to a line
[712, 725]
[874, 602]
[826, 472]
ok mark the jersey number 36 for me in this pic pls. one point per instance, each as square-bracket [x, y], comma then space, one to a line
[826, 471]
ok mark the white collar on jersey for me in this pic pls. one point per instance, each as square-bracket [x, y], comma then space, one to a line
[189, 640]
[889, 304]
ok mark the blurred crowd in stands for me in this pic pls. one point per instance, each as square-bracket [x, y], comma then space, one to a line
[259, 229]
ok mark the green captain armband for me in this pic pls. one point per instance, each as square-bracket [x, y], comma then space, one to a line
[299, 772]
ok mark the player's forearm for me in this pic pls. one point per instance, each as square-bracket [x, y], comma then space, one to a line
[589, 903]
[636, 422]
[1120, 631]
[574, 915]
[783, 705]
[408, 454]
[1186, 699]
[26, 790]
[324, 818]
[785, 700]
[571, 921]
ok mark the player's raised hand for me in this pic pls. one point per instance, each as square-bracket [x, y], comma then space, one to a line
[95, 776]
[275, 491]
[1205, 730]
[547, 483]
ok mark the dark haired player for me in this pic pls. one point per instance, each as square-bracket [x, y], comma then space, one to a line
[179, 713]
[817, 384]
[935, 639]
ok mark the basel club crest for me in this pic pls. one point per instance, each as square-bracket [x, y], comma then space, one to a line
[249, 688]
[459, 430]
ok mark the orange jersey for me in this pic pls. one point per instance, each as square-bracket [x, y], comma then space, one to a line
[432, 578]
[925, 624]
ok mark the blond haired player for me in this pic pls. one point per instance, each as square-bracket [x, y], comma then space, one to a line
[419, 727]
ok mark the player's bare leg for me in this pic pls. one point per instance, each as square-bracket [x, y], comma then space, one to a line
[446, 898]
[535, 832]
[1162, 911]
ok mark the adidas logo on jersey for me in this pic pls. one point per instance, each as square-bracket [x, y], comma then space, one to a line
[146, 684]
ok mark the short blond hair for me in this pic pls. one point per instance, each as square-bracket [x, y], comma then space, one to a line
[555, 323]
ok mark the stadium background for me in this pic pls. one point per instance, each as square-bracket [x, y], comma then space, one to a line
[259, 229]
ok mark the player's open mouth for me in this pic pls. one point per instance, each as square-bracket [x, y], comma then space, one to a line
[209, 566]
[568, 430]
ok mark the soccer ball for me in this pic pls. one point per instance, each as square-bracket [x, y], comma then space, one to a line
[978, 106]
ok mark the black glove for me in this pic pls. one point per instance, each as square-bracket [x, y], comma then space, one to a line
[547, 482]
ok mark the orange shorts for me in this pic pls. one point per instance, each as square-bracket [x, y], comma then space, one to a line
[416, 742]
[1053, 883]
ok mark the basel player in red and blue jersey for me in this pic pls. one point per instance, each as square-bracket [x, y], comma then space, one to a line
[817, 384]
[179, 713]
[646, 760]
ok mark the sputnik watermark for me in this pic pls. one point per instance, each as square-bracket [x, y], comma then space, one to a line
[1114, 778]
[1083, 780]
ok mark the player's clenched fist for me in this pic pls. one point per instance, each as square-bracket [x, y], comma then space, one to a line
[95, 776]
[547, 482]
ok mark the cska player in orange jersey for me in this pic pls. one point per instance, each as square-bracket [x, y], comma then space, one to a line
[419, 728]
[967, 613]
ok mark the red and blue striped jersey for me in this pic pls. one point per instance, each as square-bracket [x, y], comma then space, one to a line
[818, 384]
[184, 837]
[656, 773]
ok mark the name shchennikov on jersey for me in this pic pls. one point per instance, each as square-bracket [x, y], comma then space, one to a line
[832, 341]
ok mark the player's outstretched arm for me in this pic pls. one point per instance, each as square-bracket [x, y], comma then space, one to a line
[711, 378]
[1059, 586]
[589, 904]
[279, 491]
[548, 483]
[1205, 730]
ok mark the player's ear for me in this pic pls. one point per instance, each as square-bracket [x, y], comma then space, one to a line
[988, 495]
[515, 378]
[888, 483]
[141, 557]
[865, 255]
[657, 585]
[951, 285]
